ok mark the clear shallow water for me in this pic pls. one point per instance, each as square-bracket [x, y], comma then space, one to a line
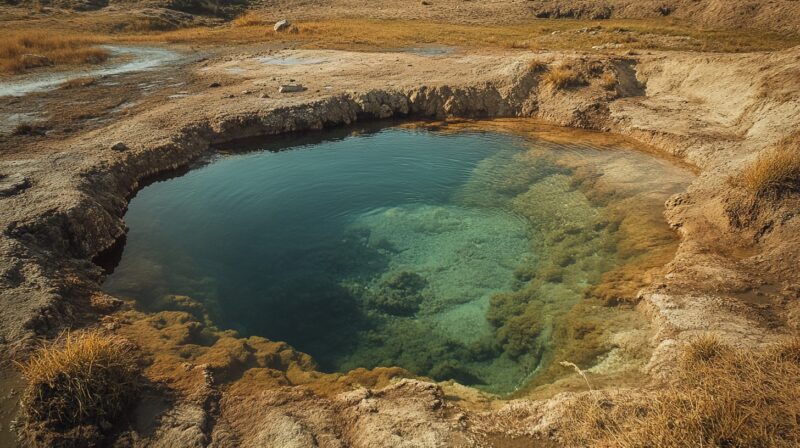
[377, 249]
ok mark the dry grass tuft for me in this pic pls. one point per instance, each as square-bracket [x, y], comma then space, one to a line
[561, 78]
[536, 66]
[721, 397]
[147, 24]
[774, 175]
[23, 50]
[608, 81]
[250, 18]
[84, 378]
[705, 348]
[775, 172]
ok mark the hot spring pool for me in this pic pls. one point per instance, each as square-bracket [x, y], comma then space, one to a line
[451, 254]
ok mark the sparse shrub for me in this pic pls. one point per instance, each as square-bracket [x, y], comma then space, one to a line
[608, 81]
[147, 24]
[776, 171]
[85, 378]
[536, 66]
[28, 129]
[22, 129]
[772, 176]
[561, 78]
[719, 397]
[705, 348]
[250, 18]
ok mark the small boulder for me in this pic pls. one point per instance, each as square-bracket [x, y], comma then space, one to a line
[288, 88]
[104, 303]
[214, 85]
[281, 25]
[119, 146]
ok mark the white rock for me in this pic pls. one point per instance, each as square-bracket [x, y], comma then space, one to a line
[287, 88]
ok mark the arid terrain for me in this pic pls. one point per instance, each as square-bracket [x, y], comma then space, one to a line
[97, 98]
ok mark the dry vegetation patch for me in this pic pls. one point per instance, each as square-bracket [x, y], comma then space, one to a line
[561, 78]
[251, 18]
[774, 175]
[608, 81]
[721, 397]
[355, 34]
[23, 50]
[775, 172]
[85, 378]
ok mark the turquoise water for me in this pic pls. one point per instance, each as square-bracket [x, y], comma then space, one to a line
[364, 250]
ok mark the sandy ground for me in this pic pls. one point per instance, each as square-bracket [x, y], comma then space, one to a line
[65, 188]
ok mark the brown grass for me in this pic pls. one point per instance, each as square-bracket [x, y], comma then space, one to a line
[775, 172]
[250, 19]
[56, 49]
[536, 66]
[376, 34]
[146, 25]
[762, 184]
[84, 378]
[608, 81]
[561, 78]
[372, 34]
[721, 397]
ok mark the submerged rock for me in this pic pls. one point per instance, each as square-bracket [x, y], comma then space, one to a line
[399, 294]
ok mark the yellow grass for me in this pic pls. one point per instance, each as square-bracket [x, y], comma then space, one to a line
[250, 18]
[85, 377]
[721, 397]
[608, 81]
[560, 78]
[377, 34]
[55, 47]
[372, 34]
[536, 66]
[775, 172]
